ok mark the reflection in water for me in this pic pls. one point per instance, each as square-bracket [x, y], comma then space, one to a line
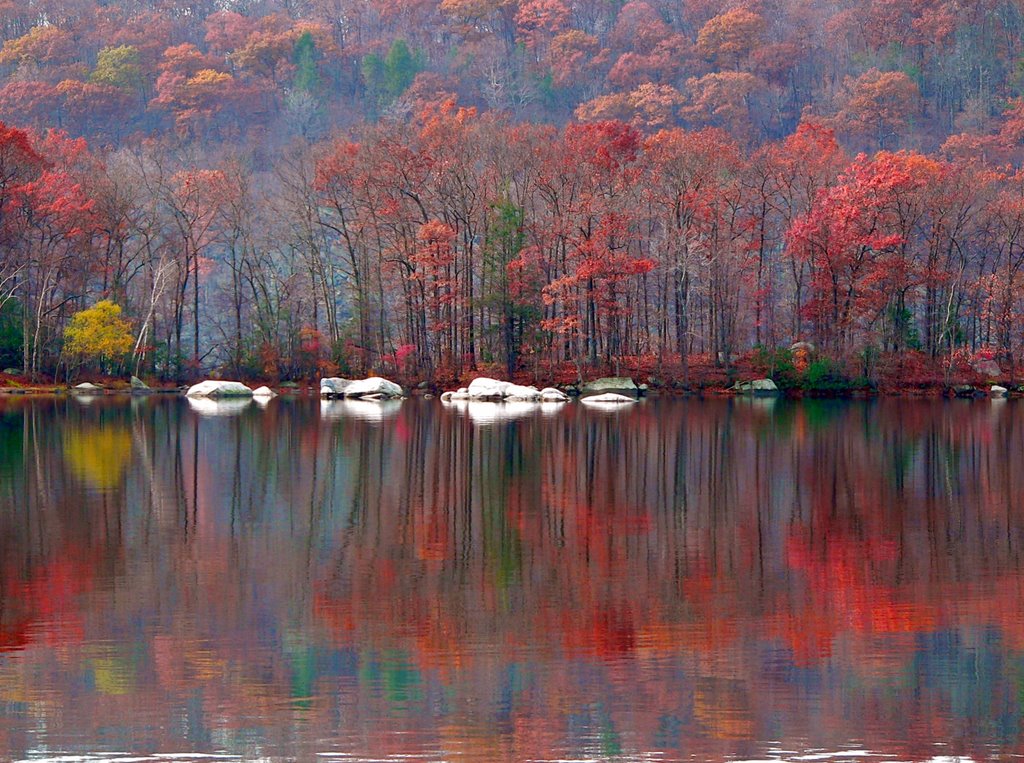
[364, 410]
[746, 579]
[98, 453]
[229, 406]
[487, 412]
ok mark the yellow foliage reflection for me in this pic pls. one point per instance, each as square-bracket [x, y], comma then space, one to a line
[99, 455]
[113, 675]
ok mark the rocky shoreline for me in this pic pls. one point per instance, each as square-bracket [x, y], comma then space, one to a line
[611, 390]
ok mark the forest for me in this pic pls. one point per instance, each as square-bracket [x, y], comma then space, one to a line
[282, 189]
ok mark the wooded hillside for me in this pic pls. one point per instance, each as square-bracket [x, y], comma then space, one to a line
[284, 189]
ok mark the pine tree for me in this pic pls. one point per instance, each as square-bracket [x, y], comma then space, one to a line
[304, 56]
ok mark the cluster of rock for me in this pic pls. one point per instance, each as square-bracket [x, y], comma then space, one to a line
[493, 390]
[969, 391]
[215, 389]
[373, 388]
[756, 387]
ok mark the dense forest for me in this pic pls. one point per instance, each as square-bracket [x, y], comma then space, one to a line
[431, 188]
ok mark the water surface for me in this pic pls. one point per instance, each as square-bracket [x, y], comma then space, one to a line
[680, 580]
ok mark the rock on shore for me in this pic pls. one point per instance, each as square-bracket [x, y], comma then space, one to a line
[217, 389]
[497, 391]
[756, 387]
[619, 385]
[334, 387]
[372, 388]
[552, 395]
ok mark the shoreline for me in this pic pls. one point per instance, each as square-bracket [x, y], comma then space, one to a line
[976, 392]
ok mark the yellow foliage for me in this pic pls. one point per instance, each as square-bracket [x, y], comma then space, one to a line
[98, 333]
[118, 67]
[41, 45]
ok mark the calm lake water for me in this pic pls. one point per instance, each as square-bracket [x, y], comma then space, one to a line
[681, 580]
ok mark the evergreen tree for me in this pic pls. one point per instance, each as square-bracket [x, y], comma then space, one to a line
[304, 56]
[400, 68]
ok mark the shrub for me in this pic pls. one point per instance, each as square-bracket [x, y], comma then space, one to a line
[825, 375]
[779, 366]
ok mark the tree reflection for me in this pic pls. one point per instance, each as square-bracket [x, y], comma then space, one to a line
[694, 578]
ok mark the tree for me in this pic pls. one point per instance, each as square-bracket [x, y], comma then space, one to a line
[118, 67]
[30, 103]
[400, 68]
[95, 108]
[569, 54]
[304, 56]
[648, 106]
[387, 78]
[57, 229]
[42, 45]
[854, 239]
[539, 20]
[228, 30]
[729, 38]
[722, 99]
[879, 105]
[99, 333]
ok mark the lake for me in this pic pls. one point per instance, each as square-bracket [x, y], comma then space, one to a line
[680, 580]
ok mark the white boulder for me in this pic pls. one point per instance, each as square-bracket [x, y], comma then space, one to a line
[519, 393]
[483, 388]
[552, 395]
[264, 392]
[374, 387]
[333, 386]
[997, 391]
[216, 389]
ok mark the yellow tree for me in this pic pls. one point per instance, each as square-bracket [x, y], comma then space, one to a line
[98, 334]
